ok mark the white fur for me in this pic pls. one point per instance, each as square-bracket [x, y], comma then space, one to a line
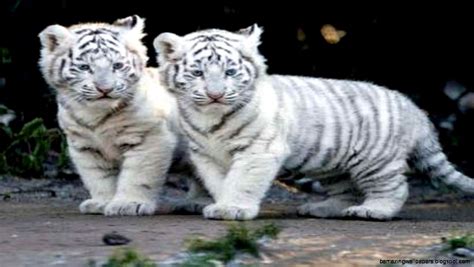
[324, 128]
[121, 147]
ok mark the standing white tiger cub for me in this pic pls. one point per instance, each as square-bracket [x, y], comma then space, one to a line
[117, 118]
[244, 125]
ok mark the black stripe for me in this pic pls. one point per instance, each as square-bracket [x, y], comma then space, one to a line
[166, 74]
[387, 144]
[81, 55]
[146, 186]
[368, 133]
[237, 131]
[61, 69]
[222, 48]
[355, 133]
[387, 147]
[218, 36]
[375, 180]
[85, 44]
[347, 111]
[375, 167]
[225, 117]
[205, 37]
[105, 51]
[189, 135]
[302, 108]
[92, 151]
[195, 44]
[175, 76]
[111, 43]
[274, 135]
[329, 153]
[251, 62]
[127, 146]
[335, 113]
[82, 37]
[81, 31]
[242, 148]
[111, 171]
[384, 190]
[114, 33]
[112, 113]
[253, 74]
[185, 116]
[195, 53]
[80, 122]
[201, 153]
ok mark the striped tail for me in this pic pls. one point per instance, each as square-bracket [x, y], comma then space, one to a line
[428, 157]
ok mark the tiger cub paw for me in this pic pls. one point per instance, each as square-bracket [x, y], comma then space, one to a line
[129, 207]
[369, 213]
[92, 206]
[230, 212]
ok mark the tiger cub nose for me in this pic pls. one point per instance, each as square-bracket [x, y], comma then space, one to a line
[215, 96]
[104, 90]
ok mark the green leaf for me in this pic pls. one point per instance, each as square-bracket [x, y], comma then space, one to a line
[32, 128]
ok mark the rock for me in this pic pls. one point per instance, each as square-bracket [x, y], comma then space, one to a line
[115, 239]
[466, 103]
[464, 252]
[454, 90]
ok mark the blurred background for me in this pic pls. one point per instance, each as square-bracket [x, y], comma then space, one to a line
[425, 52]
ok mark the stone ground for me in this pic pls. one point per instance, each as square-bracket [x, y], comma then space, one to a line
[40, 226]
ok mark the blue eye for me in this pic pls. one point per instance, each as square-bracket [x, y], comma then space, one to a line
[117, 65]
[84, 67]
[230, 72]
[197, 73]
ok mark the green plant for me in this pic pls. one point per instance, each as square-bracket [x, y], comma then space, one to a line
[459, 241]
[26, 151]
[126, 257]
[5, 56]
[239, 239]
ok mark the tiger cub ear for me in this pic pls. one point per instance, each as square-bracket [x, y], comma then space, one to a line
[135, 23]
[54, 37]
[169, 47]
[252, 35]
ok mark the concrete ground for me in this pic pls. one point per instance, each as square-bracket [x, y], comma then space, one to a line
[49, 231]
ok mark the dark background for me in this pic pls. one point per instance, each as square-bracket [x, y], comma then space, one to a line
[413, 49]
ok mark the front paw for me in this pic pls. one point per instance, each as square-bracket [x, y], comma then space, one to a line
[130, 207]
[369, 213]
[230, 212]
[92, 206]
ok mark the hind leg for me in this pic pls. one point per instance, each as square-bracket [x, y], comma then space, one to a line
[341, 196]
[385, 192]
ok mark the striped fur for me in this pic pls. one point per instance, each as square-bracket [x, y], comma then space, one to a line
[244, 125]
[117, 118]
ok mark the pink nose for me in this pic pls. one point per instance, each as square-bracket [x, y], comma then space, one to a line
[215, 96]
[104, 90]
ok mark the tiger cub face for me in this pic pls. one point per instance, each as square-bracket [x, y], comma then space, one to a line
[211, 69]
[94, 62]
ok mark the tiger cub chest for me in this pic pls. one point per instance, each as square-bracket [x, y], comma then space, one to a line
[112, 139]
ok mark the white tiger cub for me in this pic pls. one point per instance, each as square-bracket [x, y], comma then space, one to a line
[244, 125]
[117, 118]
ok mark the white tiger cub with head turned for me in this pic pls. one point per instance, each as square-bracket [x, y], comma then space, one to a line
[244, 126]
[117, 118]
